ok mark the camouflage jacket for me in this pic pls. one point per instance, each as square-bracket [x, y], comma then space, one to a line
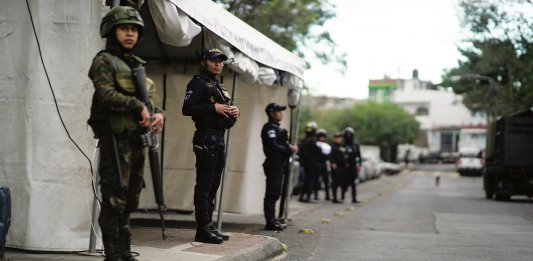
[115, 91]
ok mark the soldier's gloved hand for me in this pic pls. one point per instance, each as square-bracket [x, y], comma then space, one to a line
[234, 111]
[158, 121]
[222, 109]
[145, 118]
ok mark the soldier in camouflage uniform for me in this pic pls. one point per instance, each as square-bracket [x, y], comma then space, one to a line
[118, 119]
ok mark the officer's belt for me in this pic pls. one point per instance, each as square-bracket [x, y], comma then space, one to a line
[216, 132]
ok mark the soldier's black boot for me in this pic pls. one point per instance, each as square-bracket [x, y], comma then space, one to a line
[111, 248]
[281, 223]
[211, 227]
[272, 225]
[205, 236]
[126, 249]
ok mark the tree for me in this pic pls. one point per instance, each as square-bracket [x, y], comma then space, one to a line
[385, 125]
[500, 47]
[294, 24]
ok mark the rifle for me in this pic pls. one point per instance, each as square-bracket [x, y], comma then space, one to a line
[150, 140]
[222, 96]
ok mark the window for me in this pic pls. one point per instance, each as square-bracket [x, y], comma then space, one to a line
[421, 111]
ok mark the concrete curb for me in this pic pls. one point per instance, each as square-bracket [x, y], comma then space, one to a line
[268, 248]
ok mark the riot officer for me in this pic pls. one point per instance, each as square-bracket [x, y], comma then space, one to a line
[323, 163]
[309, 157]
[338, 159]
[208, 103]
[118, 119]
[277, 151]
[353, 156]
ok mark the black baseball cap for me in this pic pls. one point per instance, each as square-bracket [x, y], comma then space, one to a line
[214, 53]
[272, 107]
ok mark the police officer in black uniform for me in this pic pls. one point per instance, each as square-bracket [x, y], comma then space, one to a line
[339, 160]
[353, 156]
[208, 102]
[277, 151]
[310, 154]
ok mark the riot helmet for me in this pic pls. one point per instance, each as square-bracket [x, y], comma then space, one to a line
[321, 133]
[310, 128]
[348, 133]
[120, 15]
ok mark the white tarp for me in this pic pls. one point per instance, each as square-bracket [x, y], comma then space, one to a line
[48, 177]
[245, 183]
[174, 27]
[241, 35]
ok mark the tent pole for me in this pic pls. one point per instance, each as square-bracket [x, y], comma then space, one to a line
[94, 216]
[225, 172]
[287, 178]
[294, 140]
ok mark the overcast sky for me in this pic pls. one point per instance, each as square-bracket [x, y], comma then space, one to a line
[390, 37]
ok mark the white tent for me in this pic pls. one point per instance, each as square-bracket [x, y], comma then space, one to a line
[50, 178]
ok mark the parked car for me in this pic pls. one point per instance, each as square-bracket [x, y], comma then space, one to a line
[427, 156]
[369, 168]
[469, 162]
[389, 168]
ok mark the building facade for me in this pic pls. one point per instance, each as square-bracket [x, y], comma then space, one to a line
[446, 125]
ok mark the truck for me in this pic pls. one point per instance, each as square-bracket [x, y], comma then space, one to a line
[508, 157]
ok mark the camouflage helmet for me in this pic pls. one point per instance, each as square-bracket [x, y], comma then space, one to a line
[348, 132]
[120, 15]
[310, 128]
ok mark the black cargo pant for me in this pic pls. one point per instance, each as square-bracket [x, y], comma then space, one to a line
[209, 150]
[274, 168]
[118, 201]
[350, 176]
[336, 181]
[311, 175]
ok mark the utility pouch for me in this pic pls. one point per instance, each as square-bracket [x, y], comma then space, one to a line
[97, 119]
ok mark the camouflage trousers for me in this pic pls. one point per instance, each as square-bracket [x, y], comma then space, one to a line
[119, 200]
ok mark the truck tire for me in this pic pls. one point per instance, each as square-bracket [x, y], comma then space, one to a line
[488, 184]
[504, 197]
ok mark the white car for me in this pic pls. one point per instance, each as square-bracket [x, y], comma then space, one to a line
[369, 168]
[469, 162]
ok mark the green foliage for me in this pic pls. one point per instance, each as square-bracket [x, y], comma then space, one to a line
[385, 125]
[291, 23]
[501, 47]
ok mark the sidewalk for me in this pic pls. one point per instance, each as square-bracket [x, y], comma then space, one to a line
[179, 243]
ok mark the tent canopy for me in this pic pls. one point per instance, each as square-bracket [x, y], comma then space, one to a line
[241, 36]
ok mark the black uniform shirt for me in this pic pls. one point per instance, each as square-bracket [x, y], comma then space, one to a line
[338, 155]
[310, 152]
[274, 144]
[200, 103]
[354, 154]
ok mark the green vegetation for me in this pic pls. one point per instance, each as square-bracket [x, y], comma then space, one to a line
[500, 46]
[293, 24]
[385, 125]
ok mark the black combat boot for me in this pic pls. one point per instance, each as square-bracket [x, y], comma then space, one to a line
[211, 227]
[205, 236]
[111, 248]
[272, 225]
[281, 223]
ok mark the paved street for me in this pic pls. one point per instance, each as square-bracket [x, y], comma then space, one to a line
[408, 217]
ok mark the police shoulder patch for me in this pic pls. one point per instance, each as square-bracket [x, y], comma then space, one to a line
[271, 133]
